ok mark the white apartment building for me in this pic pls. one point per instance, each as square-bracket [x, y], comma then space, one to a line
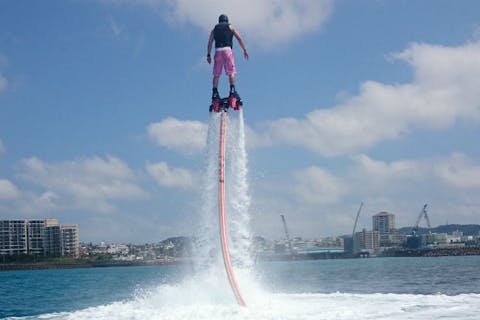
[70, 243]
[13, 237]
[38, 237]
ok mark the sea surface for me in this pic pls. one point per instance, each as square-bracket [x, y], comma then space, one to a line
[357, 289]
[374, 288]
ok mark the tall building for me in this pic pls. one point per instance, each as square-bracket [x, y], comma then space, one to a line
[53, 241]
[70, 243]
[384, 222]
[13, 237]
[35, 234]
[38, 237]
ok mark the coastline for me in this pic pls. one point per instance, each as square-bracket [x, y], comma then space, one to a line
[75, 264]
[85, 264]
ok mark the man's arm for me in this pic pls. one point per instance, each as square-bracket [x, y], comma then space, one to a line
[209, 47]
[240, 41]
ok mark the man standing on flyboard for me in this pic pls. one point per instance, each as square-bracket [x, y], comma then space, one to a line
[223, 34]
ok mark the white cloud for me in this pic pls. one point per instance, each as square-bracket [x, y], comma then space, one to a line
[170, 177]
[315, 185]
[90, 183]
[8, 191]
[2, 147]
[459, 171]
[263, 22]
[184, 136]
[327, 200]
[381, 173]
[444, 90]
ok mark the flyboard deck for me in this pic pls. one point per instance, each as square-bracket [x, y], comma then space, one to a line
[221, 211]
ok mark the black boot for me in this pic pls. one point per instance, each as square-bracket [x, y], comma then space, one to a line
[215, 94]
[234, 93]
[232, 90]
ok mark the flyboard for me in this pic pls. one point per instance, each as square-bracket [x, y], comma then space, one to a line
[222, 106]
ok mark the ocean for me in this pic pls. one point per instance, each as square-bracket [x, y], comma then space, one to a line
[374, 288]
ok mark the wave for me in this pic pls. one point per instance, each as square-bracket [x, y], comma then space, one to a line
[199, 298]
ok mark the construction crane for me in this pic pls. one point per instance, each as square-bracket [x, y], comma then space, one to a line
[423, 213]
[355, 226]
[356, 219]
[286, 233]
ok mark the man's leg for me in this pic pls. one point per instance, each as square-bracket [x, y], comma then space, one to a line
[215, 81]
[215, 94]
[231, 78]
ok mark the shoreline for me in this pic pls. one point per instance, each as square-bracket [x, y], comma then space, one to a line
[84, 264]
[78, 264]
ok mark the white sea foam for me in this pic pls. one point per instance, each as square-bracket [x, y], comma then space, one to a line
[193, 300]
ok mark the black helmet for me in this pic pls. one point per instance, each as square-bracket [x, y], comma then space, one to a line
[223, 18]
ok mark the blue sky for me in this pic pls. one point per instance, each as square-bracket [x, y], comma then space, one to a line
[103, 112]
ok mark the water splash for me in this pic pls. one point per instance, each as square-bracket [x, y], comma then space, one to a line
[238, 198]
[208, 255]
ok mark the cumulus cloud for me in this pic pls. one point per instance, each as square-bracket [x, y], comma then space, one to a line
[170, 177]
[8, 190]
[459, 171]
[316, 185]
[185, 136]
[449, 184]
[263, 22]
[383, 173]
[444, 91]
[91, 183]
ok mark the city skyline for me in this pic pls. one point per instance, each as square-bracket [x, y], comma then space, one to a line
[42, 237]
[104, 112]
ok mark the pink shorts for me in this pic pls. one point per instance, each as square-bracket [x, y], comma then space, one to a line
[224, 59]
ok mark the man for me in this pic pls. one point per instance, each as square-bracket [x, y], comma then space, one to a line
[223, 35]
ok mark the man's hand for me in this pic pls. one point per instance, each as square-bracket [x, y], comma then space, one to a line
[245, 54]
[209, 59]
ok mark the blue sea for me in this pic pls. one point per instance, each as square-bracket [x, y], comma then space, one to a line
[374, 288]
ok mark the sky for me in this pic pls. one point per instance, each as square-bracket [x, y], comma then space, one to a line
[104, 113]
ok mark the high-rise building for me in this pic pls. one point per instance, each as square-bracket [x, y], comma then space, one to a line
[38, 237]
[70, 243]
[13, 237]
[35, 234]
[53, 241]
[384, 222]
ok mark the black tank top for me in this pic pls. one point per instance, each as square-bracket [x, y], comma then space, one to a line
[223, 35]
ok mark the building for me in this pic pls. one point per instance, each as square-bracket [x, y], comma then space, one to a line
[13, 237]
[366, 241]
[53, 241]
[70, 240]
[38, 237]
[384, 222]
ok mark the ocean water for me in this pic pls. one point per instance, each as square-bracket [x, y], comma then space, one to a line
[377, 288]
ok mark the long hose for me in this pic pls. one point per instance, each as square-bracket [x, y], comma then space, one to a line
[221, 211]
